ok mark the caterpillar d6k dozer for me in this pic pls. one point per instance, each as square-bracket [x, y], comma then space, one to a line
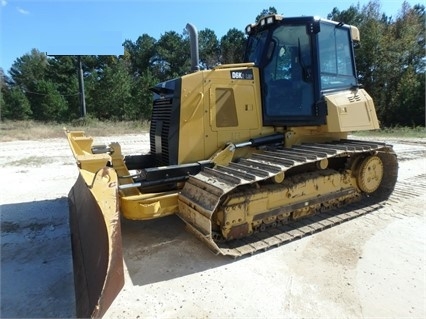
[248, 155]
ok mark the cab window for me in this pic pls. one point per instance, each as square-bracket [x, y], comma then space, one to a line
[336, 63]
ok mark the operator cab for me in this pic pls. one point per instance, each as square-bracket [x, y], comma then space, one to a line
[300, 60]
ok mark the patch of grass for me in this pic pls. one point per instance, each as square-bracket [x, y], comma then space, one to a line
[35, 161]
[397, 131]
[12, 227]
[32, 130]
[27, 130]
[9, 227]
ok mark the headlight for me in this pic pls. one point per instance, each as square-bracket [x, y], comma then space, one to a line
[270, 19]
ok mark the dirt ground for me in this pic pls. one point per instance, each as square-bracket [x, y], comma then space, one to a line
[373, 266]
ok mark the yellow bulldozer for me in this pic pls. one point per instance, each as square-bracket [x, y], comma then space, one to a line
[247, 155]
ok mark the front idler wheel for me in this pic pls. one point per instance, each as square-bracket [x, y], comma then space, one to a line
[370, 174]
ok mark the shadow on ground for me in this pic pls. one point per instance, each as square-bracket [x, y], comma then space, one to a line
[162, 249]
[36, 262]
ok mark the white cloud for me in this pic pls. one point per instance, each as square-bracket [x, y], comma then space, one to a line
[3, 3]
[22, 11]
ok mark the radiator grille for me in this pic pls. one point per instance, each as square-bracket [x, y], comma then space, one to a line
[159, 131]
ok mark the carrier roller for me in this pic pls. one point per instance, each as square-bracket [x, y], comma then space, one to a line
[279, 194]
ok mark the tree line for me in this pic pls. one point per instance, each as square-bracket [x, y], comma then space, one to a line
[390, 65]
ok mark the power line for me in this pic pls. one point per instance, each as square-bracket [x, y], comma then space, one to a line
[46, 94]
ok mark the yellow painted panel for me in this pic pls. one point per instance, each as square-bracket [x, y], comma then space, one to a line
[191, 130]
[349, 111]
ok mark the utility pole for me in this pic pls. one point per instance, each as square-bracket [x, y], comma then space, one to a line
[81, 87]
[80, 82]
[80, 77]
[87, 45]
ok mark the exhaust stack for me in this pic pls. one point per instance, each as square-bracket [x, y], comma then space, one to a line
[193, 37]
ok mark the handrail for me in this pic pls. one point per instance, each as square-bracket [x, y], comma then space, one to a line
[233, 65]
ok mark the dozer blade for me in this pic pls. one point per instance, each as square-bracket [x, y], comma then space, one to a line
[96, 243]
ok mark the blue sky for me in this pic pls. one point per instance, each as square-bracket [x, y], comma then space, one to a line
[101, 26]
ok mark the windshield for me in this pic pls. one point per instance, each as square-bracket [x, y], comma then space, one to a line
[255, 47]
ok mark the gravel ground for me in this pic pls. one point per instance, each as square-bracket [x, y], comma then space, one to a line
[373, 266]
